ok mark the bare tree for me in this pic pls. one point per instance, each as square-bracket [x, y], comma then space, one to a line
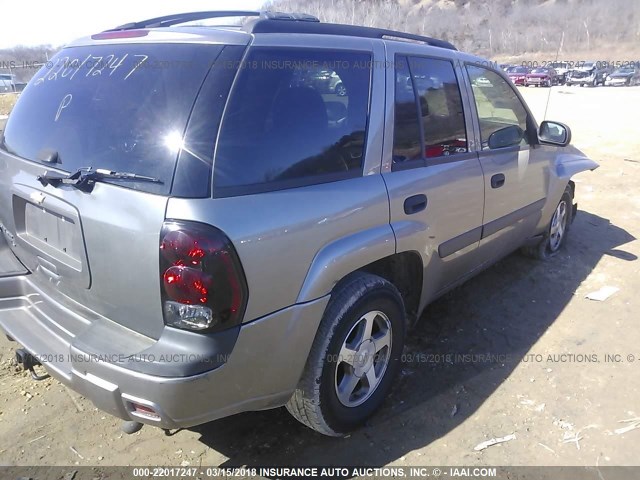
[493, 27]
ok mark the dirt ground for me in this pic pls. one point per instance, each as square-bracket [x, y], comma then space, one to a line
[543, 377]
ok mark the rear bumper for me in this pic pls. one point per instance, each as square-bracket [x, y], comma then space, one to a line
[616, 82]
[259, 371]
[579, 81]
[537, 81]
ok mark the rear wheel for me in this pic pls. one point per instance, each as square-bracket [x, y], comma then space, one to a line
[341, 90]
[354, 358]
[556, 233]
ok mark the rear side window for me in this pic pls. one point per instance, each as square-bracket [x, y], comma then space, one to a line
[437, 105]
[116, 107]
[295, 117]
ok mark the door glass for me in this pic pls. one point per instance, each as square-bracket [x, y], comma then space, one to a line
[406, 128]
[497, 104]
[440, 106]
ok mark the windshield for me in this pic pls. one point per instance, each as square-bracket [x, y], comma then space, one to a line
[539, 70]
[518, 70]
[117, 107]
[624, 70]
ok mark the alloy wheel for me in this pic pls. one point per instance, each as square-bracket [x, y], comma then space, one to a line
[363, 359]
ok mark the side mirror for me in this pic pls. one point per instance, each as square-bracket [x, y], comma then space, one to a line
[555, 133]
[506, 137]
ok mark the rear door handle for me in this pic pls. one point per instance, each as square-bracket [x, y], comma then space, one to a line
[497, 180]
[415, 204]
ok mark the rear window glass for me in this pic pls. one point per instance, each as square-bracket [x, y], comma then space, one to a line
[116, 107]
[295, 117]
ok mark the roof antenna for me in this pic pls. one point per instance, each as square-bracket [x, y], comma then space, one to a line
[551, 87]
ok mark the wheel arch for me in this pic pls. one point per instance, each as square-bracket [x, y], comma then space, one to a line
[404, 270]
[343, 256]
[371, 251]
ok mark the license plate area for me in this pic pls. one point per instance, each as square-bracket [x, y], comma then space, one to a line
[54, 234]
[49, 237]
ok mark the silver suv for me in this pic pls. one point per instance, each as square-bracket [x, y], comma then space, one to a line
[190, 231]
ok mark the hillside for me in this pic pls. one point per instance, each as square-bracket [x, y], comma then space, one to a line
[604, 29]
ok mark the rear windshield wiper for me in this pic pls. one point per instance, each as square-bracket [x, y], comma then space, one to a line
[85, 178]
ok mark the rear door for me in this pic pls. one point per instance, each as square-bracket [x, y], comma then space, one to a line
[430, 167]
[515, 171]
[118, 107]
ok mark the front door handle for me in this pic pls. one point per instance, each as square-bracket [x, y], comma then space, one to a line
[415, 204]
[497, 180]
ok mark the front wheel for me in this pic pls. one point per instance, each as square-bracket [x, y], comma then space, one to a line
[556, 233]
[354, 358]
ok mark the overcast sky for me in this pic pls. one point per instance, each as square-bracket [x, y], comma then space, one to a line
[37, 22]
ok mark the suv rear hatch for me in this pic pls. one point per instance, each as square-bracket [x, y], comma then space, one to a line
[117, 107]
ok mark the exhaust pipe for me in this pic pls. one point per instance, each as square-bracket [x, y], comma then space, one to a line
[28, 362]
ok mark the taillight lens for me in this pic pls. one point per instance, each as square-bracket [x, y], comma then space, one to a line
[203, 285]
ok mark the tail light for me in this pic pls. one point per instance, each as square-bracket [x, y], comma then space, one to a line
[203, 285]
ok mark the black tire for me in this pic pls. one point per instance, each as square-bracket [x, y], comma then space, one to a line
[544, 250]
[315, 402]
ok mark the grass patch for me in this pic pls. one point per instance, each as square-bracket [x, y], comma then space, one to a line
[7, 101]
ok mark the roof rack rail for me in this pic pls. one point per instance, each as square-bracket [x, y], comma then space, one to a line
[271, 22]
[262, 25]
[178, 18]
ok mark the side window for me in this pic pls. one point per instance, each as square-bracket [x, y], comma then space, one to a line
[406, 129]
[295, 117]
[441, 107]
[431, 113]
[498, 106]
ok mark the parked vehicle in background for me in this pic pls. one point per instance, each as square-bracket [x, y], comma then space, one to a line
[518, 75]
[187, 243]
[589, 74]
[7, 83]
[505, 66]
[322, 79]
[541, 77]
[561, 68]
[482, 82]
[625, 76]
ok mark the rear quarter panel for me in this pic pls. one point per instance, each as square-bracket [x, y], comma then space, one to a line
[279, 235]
